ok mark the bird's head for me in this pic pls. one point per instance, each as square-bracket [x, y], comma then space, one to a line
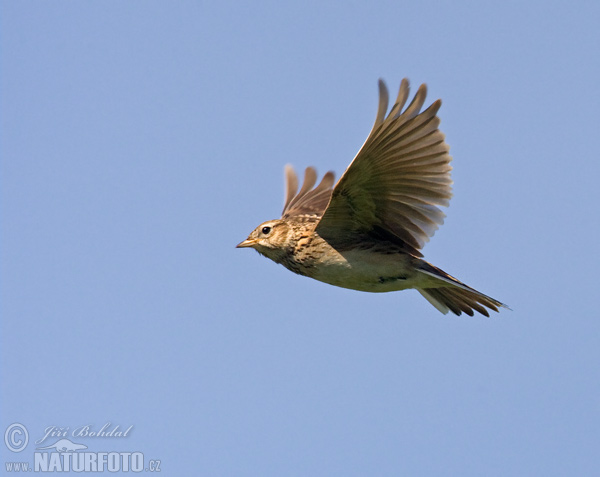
[271, 239]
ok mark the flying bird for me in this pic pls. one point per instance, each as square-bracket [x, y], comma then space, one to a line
[365, 232]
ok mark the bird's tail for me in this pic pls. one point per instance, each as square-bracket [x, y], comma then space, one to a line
[447, 293]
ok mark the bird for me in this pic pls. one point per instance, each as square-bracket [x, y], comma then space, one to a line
[366, 231]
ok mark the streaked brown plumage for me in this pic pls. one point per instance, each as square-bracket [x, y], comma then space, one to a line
[366, 232]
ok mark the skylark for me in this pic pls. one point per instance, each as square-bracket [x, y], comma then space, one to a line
[366, 232]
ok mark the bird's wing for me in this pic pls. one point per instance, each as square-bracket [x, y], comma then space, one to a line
[397, 180]
[309, 201]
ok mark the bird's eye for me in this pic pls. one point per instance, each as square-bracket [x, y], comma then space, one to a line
[266, 230]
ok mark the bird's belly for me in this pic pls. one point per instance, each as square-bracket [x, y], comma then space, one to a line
[366, 271]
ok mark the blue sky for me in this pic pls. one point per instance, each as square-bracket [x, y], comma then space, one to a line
[141, 141]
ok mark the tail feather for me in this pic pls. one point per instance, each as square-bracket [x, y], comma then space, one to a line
[447, 293]
[457, 301]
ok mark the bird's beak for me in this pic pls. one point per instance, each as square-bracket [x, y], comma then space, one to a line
[246, 243]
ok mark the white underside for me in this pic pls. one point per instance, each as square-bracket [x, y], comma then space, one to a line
[365, 271]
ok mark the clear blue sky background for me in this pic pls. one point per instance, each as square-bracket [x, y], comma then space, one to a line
[142, 140]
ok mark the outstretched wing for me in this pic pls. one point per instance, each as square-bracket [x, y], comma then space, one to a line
[309, 201]
[396, 182]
